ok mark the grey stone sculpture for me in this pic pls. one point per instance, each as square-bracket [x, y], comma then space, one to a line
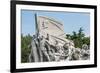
[49, 43]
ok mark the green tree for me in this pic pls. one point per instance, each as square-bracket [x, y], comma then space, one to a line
[86, 40]
[68, 36]
[25, 49]
[78, 38]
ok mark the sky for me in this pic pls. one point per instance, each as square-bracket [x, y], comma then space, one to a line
[72, 21]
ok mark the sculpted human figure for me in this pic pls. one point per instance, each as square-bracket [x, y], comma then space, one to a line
[49, 43]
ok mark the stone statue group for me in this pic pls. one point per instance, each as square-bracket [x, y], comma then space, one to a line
[44, 51]
[49, 43]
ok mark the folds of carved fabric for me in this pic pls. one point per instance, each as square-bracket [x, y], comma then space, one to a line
[34, 57]
[40, 51]
[44, 53]
[35, 51]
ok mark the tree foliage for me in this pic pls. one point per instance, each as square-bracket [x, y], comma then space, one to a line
[25, 47]
[79, 38]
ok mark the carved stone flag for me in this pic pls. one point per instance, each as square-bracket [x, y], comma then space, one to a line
[49, 27]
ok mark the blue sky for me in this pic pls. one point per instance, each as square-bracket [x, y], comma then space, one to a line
[72, 21]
